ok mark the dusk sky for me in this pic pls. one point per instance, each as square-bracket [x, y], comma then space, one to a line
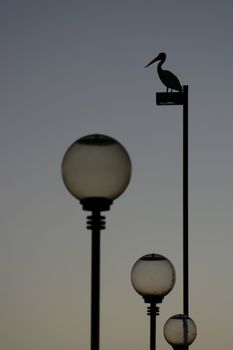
[72, 68]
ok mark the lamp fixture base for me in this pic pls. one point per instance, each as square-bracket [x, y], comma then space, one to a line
[96, 204]
[153, 299]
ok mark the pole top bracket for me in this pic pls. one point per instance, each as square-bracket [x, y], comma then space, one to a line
[171, 98]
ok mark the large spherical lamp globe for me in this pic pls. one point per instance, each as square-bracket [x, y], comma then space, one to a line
[96, 166]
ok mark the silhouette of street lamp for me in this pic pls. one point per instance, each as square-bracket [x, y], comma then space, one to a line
[179, 97]
[153, 277]
[96, 169]
[180, 331]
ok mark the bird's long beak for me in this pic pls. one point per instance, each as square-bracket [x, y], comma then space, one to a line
[153, 61]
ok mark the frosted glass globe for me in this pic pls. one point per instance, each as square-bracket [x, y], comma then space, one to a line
[153, 275]
[180, 330]
[96, 166]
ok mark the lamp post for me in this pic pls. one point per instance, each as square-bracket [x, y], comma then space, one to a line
[153, 277]
[180, 331]
[181, 98]
[178, 98]
[96, 169]
[171, 82]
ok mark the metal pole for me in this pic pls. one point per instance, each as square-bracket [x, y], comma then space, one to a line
[185, 207]
[95, 226]
[95, 223]
[95, 289]
[152, 328]
[152, 311]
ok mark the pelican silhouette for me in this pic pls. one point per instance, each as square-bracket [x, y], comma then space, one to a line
[167, 77]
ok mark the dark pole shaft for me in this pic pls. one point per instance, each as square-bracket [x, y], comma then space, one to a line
[152, 326]
[185, 205]
[95, 283]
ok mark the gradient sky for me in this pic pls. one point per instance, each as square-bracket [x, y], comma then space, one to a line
[72, 68]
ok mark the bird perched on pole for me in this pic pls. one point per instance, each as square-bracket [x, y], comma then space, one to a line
[168, 78]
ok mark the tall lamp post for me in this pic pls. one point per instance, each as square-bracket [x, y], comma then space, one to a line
[96, 169]
[153, 277]
[179, 97]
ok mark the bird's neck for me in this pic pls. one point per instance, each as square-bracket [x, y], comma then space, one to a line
[159, 67]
